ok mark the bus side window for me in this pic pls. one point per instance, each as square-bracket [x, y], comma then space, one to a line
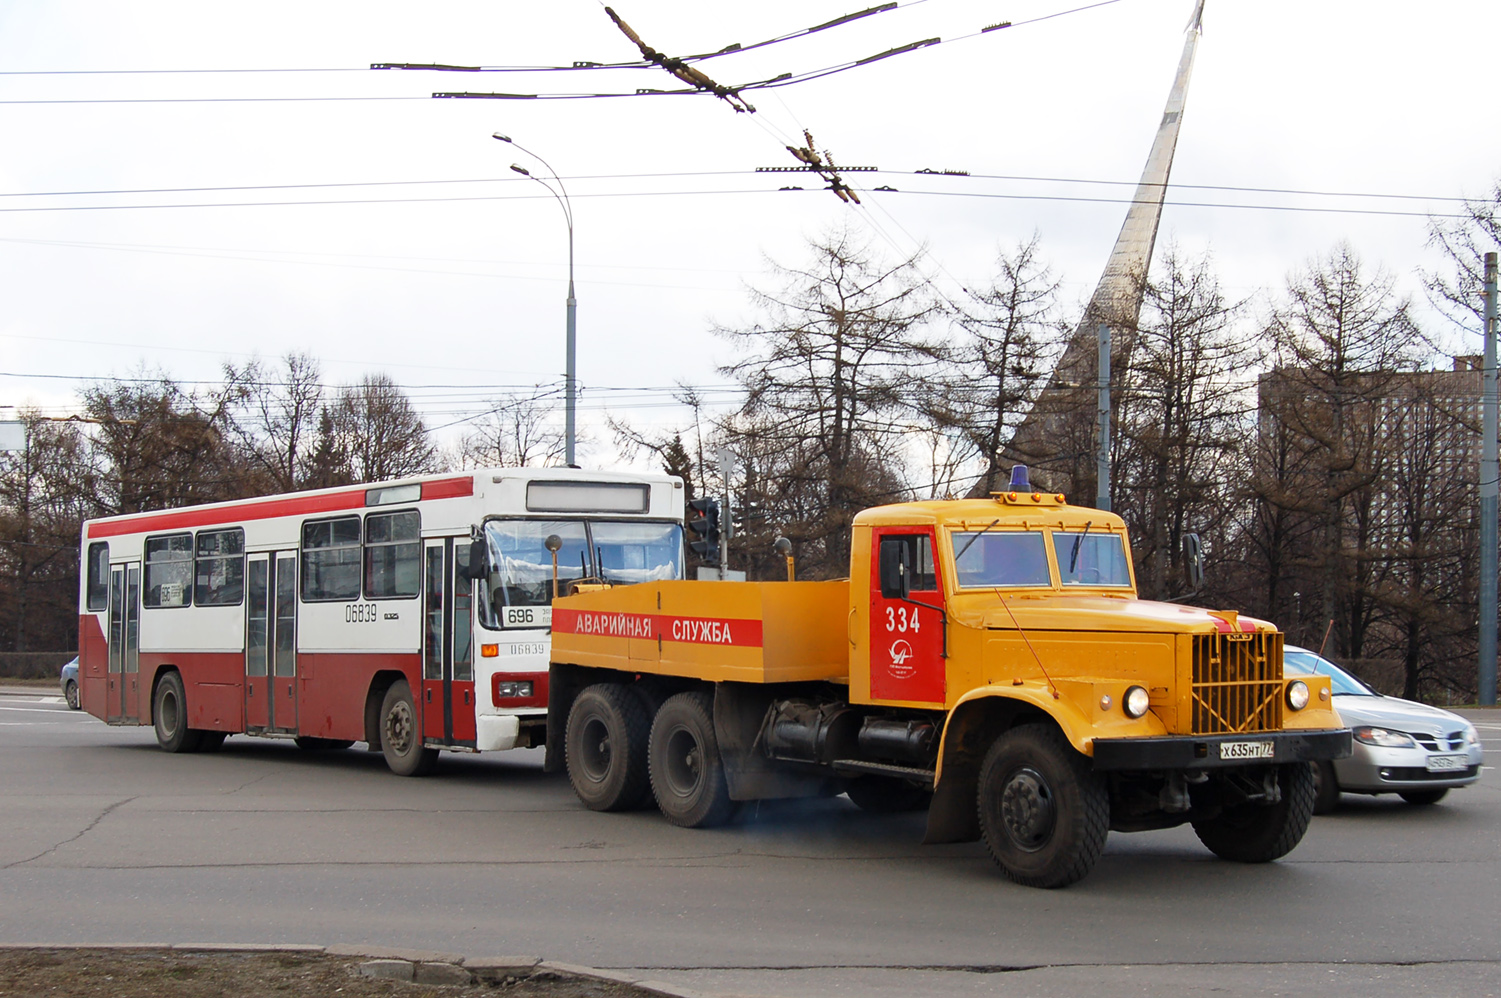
[393, 555]
[98, 587]
[169, 571]
[331, 559]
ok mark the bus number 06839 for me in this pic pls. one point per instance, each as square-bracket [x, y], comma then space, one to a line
[360, 613]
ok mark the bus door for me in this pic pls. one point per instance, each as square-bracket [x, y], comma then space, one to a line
[271, 642]
[448, 705]
[123, 705]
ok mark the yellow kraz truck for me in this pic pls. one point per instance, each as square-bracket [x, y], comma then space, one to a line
[988, 659]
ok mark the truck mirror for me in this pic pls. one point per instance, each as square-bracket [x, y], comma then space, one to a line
[1193, 553]
[895, 569]
[479, 560]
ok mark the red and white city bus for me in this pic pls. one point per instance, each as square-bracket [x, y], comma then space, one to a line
[351, 614]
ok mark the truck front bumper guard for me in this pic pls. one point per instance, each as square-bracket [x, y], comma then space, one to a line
[1216, 751]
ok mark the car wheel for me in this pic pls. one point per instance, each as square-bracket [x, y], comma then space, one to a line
[401, 734]
[70, 694]
[1325, 787]
[1260, 833]
[1044, 814]
[1423, 798]
[687, 773]
[605, 748]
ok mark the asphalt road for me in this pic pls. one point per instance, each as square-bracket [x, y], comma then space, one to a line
[104, 838]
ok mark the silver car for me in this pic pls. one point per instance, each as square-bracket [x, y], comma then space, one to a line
[1410, 749]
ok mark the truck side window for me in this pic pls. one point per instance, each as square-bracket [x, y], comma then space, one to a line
[919, 555]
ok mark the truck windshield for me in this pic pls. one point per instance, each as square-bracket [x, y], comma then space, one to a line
[985, 559]
[1091, 559]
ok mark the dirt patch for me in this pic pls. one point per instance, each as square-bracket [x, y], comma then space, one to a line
[85, 973]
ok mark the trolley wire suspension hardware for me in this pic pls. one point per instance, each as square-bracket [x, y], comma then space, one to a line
[677, 67]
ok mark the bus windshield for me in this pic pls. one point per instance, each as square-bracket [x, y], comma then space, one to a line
[612, 551]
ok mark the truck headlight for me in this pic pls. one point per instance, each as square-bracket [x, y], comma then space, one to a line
[1297, 694]
[1383, 737]
[1135, 702]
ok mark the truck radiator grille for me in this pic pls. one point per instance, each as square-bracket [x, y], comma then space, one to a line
[1237, 683]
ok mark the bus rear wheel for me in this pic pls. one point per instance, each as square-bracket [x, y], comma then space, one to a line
[169, 714]
[401, 734]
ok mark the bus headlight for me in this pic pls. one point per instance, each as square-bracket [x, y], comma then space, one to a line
[1136, 701]
[508, 690]
[1297, 694]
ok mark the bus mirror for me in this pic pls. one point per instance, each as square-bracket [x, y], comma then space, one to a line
[895, 568]
[479, 557]
[1193, 554]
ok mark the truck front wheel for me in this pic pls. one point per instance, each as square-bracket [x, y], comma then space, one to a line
[605, 748]
[1260, 833]
[1043, 813]
[686, 771]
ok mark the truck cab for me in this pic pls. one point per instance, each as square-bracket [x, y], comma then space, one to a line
[988, 659]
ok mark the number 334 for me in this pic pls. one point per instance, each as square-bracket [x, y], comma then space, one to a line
[901, 619]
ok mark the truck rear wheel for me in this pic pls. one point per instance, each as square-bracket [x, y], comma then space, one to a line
[1260, 833]
[686, 771]
[605, 748]
[1044, 813]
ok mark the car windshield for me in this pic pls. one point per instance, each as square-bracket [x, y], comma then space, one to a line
[1301, 662]
[1091, 559]
[1001, 558]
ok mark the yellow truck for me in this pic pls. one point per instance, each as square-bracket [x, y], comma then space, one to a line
[987, 659]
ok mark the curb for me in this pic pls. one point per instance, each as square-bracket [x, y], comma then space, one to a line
[402, 964]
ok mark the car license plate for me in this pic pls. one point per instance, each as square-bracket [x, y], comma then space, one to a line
[1247, 750]
[1447, 763]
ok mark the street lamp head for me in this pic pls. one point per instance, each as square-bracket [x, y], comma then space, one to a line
[501, 136]
[521, 170]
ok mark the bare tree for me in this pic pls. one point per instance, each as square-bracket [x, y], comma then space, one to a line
[835, 373]
[1182, 417]
[280, 415]
[378, 432]
[518, 431]
[1341, 339]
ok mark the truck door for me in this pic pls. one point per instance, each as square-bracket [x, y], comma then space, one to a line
[448, 707]
[123, 705]
[906, 637]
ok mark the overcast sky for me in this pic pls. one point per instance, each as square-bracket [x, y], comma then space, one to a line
[449, 270]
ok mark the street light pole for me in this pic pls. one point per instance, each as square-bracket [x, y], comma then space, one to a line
[570, 377]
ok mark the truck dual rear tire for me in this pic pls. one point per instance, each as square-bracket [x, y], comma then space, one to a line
[687, 773]
[1044, 814]
[1260, 833]
[605, 747]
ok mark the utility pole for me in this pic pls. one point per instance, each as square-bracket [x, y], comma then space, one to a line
[1489, 475]
[1102, 458]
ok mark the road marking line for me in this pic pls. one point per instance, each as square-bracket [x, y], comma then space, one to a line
[38, 710]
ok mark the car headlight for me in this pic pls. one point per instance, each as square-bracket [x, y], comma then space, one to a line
[1297, 694]
[1383, 737]
[1472, 736]
[1135, 702]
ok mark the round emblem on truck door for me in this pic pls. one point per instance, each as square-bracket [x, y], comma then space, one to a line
[902, 666]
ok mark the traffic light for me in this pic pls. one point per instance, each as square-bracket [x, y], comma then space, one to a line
[703, 530]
